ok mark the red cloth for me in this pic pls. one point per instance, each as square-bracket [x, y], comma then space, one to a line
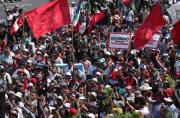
[48, 17]
[149, 27]
[176, 33]
[95, 19]
[3, 43]
[130, 81]
[73, 111]
[76, 28]
[25, 83]
[169, 92]
[17, 24]
[126, 2]
[114, 75]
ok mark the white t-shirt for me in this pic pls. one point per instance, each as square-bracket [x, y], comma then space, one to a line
[177, 66]
[10, 17]
[130, 15]
[144, 110]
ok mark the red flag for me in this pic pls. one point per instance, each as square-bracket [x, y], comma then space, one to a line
[95, 19]
[149, 27]
[76, 28]
[17, 24]
[48, 17]
[176, 33]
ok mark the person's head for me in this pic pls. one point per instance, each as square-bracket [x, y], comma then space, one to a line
[2, 70]
[168, 101]
[129, 89]
[140, 102]
[7, 51]
[16, 7]
[59, 100]
[159, 95]
[53, 69]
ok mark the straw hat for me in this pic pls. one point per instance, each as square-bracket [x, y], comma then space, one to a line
[145, 87]
[18, 94]
[94, 94]
[168, 99]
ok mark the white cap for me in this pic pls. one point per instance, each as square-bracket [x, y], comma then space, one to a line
[68, 73]
[98, 73]
[107, 86]
[60, 97]
[18, 94]
[131, 98]
[94, 94]
[94, 79]
[82, 97]
[91, 115]
[68, 105]
[30, 84]
[145, 86]
[168, 99]
[134, 51]
[29, 61]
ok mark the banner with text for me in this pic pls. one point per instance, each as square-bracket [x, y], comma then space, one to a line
[154, 42]
[119, 40]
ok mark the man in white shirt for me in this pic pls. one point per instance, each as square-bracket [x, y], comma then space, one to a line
[177, 64]
[129, 18]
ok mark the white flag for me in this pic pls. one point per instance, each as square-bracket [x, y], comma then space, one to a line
[82, 28]
[174, 12]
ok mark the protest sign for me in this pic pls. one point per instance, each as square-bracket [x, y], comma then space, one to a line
[153, 43]
[119, 40]
[79, 66]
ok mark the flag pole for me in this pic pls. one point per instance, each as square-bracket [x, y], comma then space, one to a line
[23, 25]
[72, 35]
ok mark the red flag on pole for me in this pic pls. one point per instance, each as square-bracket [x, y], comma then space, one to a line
[95, 19]
[149, 27]
[48, 17]
[17, 24]
[176, 33]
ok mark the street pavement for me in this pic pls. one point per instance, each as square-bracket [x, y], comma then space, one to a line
[24, 4]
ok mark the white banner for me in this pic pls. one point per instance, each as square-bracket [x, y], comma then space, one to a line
[119, 40]
[174, 12]
[153, 43]
[82, 28]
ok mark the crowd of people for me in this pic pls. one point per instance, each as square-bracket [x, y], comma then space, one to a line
[40, 79]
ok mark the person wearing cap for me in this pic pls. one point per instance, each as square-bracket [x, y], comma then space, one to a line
[177, 64]
[131, 80]
[6, 57]
[92, 104]
[157, 104]
[171, 107]
[60, 102]
[53, 72]
[142, 106]
[3, 89]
